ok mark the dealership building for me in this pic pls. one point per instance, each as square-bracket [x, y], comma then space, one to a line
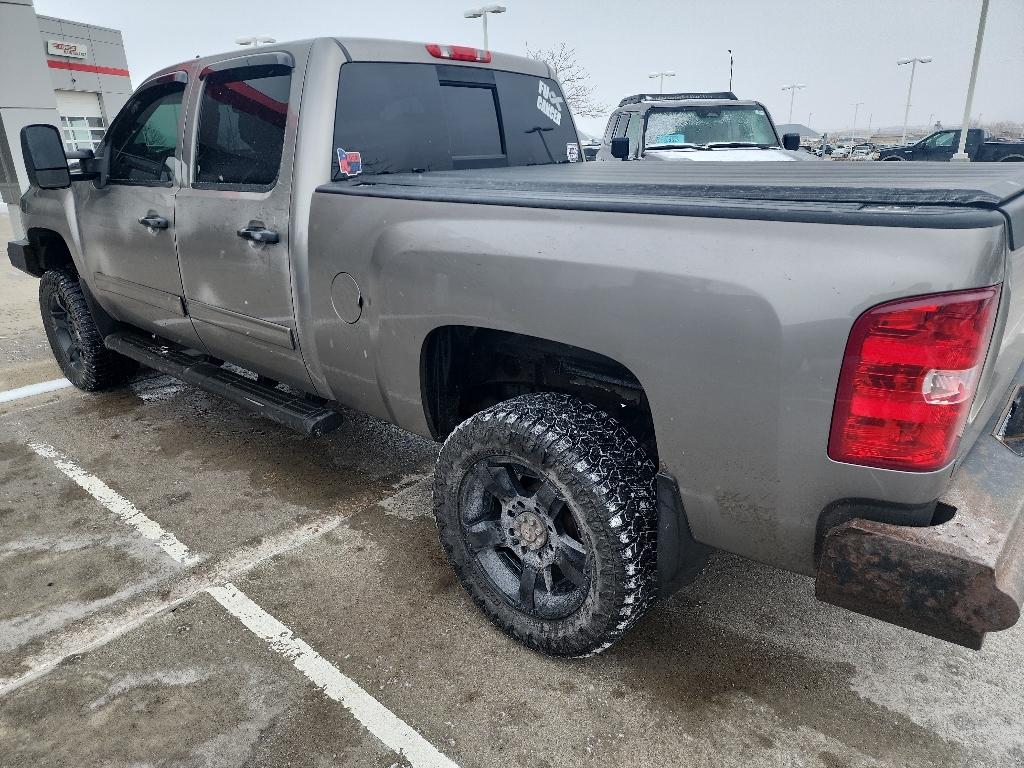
[67, 73]
[89, 74]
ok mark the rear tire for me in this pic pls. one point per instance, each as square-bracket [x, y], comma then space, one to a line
[74, 338]
[546, 510]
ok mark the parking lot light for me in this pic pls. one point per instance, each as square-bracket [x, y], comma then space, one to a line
[961, 152]
[255, 40]
[913, 62]
[481, 13]
[792, 94]
[661, 78]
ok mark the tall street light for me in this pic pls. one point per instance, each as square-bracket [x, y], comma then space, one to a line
[792, 94]
[730, 69]
[661, 78]
[913, 62]
[856, 108]
[961, 152]
[481, 13]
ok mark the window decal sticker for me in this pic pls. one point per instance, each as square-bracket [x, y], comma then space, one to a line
[549, 102]
[349, 163]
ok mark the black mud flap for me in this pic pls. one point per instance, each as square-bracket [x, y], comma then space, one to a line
[680, 557]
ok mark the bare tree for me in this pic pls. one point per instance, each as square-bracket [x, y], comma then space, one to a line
[573, 77]
[1005, 128]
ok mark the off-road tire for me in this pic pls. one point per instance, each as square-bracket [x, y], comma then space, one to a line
[605, 477]
[94, 367]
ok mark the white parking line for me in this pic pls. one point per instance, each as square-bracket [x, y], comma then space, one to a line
[375, 717]
[104, 626]
[388, 727]
[119, 505]
[33, 389]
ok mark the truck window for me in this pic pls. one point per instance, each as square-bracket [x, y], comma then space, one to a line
[144, 135]
[944, 139]
[633, 130]
[620, 125]
[241, 127]
[472, 116]
[423, 117]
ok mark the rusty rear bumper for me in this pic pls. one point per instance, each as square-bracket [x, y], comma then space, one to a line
[957, 580]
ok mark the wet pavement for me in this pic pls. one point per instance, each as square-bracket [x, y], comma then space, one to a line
[113, 653]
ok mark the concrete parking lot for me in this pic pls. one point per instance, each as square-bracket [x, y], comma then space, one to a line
[184, 584]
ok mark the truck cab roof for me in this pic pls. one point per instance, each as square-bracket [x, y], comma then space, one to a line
[367, 49]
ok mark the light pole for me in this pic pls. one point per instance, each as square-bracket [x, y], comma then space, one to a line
[255, 40]
[661, 78]
[730, 69]
[961, 152]
[809, 116]
[481, 13]
[792, 94]
[853, 131]
[913, 62]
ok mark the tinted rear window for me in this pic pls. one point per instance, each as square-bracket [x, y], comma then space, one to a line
[426, 117]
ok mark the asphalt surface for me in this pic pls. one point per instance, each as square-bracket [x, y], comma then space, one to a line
[115, 653]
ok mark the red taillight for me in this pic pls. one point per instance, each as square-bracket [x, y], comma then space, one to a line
[459, 53]
[909, 376]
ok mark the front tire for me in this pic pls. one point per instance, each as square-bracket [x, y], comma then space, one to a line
[74, 338]
[546, 510]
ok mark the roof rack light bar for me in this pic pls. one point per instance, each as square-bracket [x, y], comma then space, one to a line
[641, 97]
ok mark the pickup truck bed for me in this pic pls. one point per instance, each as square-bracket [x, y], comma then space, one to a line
[926, 195]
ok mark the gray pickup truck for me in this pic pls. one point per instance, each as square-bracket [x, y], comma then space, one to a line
[630, 365]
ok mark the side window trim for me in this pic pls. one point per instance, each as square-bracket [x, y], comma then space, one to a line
[273, 58]
[105, 149]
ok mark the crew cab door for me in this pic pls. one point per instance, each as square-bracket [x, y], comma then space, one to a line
[127, 223]
[233, 217]
[939, 146]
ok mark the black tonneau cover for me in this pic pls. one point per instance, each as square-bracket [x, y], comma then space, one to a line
[893, 194]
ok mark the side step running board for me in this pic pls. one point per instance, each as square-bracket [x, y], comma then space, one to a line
[292, 410]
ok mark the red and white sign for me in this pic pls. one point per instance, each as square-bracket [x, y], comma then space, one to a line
[64, 48]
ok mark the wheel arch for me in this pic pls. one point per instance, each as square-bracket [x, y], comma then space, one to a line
[51, 251]
[464, 369]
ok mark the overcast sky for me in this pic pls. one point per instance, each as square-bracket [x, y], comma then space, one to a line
[844, 51]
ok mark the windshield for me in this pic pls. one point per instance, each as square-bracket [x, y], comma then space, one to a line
[703, 125]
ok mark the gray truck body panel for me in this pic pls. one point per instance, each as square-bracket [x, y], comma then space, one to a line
[735, 328]
[727, 290]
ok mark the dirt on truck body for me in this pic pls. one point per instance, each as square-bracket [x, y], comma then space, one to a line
[812, 365]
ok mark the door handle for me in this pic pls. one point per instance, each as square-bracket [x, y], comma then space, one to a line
[257, 233]
[153, 221]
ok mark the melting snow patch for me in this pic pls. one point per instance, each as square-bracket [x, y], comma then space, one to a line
[156, 388]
